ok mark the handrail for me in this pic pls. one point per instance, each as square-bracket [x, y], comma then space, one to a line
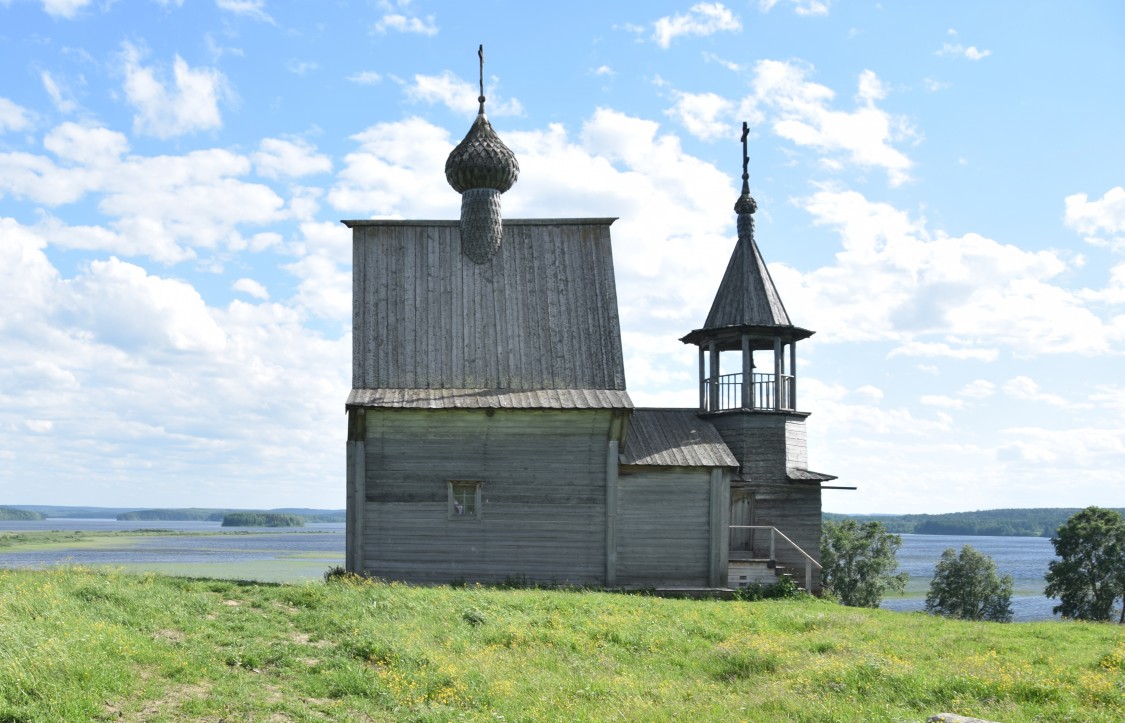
[773, 547]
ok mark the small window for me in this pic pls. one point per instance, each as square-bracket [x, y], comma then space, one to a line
[464, 499]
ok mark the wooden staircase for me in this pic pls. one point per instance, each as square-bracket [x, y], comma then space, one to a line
[745, 572]
[745, 569]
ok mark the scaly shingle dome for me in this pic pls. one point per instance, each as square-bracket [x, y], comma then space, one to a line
[481, 160]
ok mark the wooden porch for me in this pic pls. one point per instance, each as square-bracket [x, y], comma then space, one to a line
[753, 558]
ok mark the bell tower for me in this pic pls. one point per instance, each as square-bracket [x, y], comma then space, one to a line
[747, 317]
[751, 399]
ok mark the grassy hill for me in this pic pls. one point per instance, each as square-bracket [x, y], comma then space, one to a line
[1034, 522]
[80, 645]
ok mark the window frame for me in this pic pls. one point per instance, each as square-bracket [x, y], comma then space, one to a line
[451, 486]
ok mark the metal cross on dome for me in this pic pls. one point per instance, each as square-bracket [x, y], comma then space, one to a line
[745, 156]
[480, 54]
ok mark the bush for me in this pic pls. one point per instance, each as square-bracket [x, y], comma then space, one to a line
[783, 589]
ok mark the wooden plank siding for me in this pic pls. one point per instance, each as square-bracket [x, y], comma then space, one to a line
[795, 510]
[664, 526]
[543, 512]
[541, 314]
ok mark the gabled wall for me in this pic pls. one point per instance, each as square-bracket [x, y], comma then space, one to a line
[541, 314]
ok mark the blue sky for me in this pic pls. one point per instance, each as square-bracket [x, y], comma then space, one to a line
[940, 186]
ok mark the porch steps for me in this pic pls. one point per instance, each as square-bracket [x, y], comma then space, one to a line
[747, 572]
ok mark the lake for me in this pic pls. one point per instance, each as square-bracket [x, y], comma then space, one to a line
[293, 554]
[268, 554]
[1024, 558]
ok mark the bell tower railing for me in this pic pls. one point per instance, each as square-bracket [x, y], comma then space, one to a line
[769, 392]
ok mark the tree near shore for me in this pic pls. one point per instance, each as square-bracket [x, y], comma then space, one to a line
[859, 562]
[1089, 576]
[967, 586]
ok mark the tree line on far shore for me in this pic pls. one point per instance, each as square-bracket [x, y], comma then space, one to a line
[1032, 522]
[209, 515]
[1088, 578]
[262, 519]
[7, 513]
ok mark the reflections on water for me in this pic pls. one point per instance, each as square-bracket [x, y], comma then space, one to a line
[1024, 558]
[268, 554]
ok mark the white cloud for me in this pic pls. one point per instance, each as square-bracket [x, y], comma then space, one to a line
[326, 238]
[1101, 221]
[190, 104]
[156, 205]
[706, 116]
[64, 8]
[86, 145]
[800, 7]
[250, 287]
[251, 8]
[301, 67]
[604, 70]
[393, 173]
[961, 297]
[229, 397]
[1086, 448]
[127, 308]
[458, 95]
[1024, 387]
[365, 77]
[706, 18]
[13, 117]
[958, 50]
[407, 24]
[933, 86]
[935, 349]
[940, 400]
[325, 290]
[63, 100]
[978, 389]
[1114, 291]
[874, 393]
[728, 64]
[277, 158]
[802, 113]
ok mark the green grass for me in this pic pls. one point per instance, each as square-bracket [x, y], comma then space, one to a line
[79, 644]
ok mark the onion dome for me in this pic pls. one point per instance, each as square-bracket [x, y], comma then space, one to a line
[481, 160]
[480, 168]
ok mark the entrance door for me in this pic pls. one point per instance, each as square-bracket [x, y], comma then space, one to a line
[741, 513]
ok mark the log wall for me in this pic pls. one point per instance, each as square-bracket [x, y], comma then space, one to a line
[543, 516]
[664, 526]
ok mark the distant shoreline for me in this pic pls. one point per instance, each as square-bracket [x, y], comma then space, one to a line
[170, 514]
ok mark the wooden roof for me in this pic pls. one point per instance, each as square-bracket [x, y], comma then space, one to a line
[490, 399]
[539, 315]
[675, 438]
[747, 295]
[747, 301]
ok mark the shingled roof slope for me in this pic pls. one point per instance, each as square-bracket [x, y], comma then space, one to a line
[674, 438]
